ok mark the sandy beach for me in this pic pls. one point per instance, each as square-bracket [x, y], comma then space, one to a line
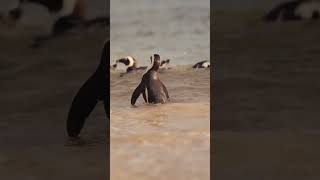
[265, 97]
[37, 88]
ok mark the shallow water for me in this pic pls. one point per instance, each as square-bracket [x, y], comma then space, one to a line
[178, 30]
[173, 144]
[167, 141]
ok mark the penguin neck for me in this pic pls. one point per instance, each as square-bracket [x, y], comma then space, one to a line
[155, 67]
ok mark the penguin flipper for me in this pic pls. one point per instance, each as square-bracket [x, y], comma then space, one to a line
[144, 95]
[136, 93]
[82, 105]
[165, 90]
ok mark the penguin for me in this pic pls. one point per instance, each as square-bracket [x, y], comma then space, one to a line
[96, 88]
[151, 83]
[129, 61]
[294, 10]
[70, 14]
[202, 64]
[114, 66]
[164, 64]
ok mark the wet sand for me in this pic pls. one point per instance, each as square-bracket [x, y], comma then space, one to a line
[37, 88]
[266, 85]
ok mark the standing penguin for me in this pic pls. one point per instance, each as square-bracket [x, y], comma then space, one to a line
[94, 89]
[156, 90]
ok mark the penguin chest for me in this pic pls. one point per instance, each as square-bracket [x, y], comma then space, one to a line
[155, 91]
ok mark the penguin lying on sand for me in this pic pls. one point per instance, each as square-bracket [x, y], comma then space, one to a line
[202, 64]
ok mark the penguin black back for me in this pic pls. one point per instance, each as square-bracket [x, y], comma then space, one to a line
[94, 89]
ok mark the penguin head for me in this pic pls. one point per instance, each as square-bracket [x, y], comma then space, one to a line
[206, 64]
[128, 61]
[156, 62]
